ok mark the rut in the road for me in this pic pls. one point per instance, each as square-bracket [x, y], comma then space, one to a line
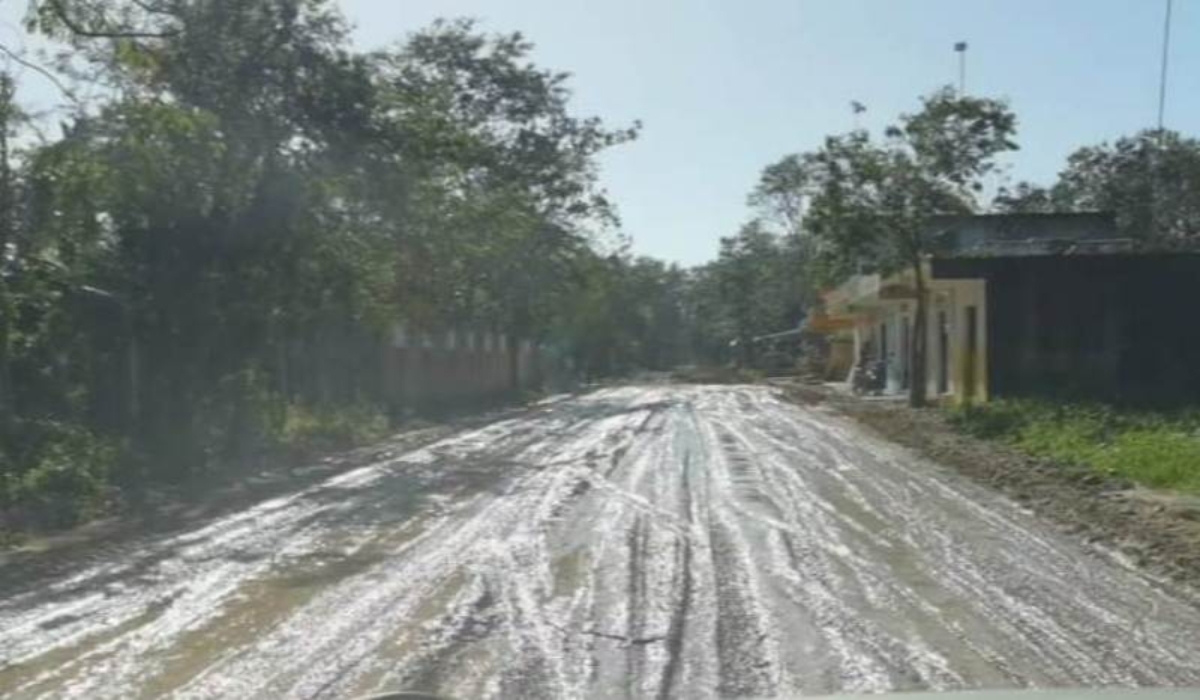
[637, 542]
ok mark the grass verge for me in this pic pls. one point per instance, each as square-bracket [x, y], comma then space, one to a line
[56, 475]
[1158, 449]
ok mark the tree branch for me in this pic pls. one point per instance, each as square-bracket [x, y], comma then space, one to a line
[78, 29]
[41, 71]
[150, 9]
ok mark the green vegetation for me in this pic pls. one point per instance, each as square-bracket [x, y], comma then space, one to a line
[869, 201]
[1159, 449]
[754, 287]
[1150, 180]
[203, 253]
[308, 431]
[66, 475]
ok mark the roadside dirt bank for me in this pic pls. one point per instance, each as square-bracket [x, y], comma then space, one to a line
[169, 509]
[1157, 531]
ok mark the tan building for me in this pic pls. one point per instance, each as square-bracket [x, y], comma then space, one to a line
[878, 318]
[1025, 304]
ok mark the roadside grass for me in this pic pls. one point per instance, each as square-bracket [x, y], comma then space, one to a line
[308, 431]
[1154, 448]
[58, 475]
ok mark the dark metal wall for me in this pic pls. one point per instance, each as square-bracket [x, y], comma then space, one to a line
[1120, 327]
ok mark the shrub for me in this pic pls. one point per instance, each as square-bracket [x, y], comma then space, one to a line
[63, 476]
[307, 430]
[238, 420]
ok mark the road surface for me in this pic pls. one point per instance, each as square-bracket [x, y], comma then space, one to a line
[635, 542]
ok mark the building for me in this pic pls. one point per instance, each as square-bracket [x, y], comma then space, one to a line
[1028, 304]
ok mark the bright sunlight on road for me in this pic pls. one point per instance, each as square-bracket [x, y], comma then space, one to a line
[657, 541]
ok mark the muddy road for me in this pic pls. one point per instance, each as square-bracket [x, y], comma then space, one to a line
[635, 542]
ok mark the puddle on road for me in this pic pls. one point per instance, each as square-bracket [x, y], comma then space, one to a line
[251, 611]
[260, 605]
[570, 572]
[411, 641]
[44, 673]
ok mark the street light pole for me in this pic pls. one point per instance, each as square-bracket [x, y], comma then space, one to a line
[1162, 79]
[961, 49]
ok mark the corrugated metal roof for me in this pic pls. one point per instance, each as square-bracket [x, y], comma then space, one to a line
[1025, 235]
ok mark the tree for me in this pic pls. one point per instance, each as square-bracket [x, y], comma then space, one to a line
[514, 197]
[630, 313]
[8, 220]
[753, 288]
[872, 202]
[1150, 180]
[85, 19]
[1026, 198]
[781, 191]
[781, 198]
[240, 220]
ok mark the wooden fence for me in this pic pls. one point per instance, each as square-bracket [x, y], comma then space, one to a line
[441, 370]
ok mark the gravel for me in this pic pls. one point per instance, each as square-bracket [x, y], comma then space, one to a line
[1154, 530]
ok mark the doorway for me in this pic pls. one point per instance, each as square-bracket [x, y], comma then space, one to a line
[943, 368]
[970, 360]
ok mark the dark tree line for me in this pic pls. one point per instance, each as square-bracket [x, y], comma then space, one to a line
[200, 267]
[1150, 181]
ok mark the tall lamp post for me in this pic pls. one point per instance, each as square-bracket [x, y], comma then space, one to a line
[1162, 78]
[961, 49]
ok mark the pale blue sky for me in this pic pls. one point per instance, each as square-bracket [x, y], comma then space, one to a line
[725, 87]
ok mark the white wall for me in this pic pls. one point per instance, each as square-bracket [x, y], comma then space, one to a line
[953, 298]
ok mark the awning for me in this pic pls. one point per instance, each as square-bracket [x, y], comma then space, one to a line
[824, 323]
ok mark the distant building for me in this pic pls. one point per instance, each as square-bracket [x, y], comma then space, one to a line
[1024, 304]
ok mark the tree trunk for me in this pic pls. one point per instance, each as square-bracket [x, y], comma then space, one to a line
[7, 230]
[7, 407]
[514, 363]
[917, 354]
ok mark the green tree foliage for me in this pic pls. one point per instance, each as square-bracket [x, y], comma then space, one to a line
[1150, 181]
[497, 153]
[782, 191]
[631, 313]
[8, 220]
[1027, 198]
[781, 199]
[753, 288]
[220, 244]
[871, 202]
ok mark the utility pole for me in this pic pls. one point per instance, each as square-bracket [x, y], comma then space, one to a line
[1157, 156]
[1162, 78]
[961, 49]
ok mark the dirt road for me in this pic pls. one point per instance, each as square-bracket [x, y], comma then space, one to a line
[645, 542]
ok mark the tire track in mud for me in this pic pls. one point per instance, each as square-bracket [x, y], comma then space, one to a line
[638, 542]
